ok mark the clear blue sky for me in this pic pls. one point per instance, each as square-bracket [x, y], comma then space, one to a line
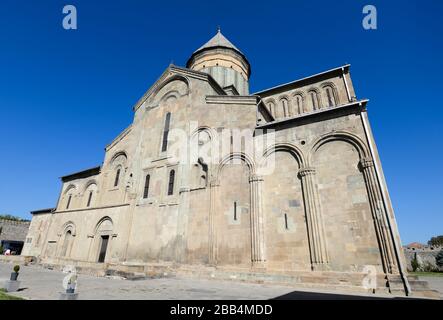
[65, 94]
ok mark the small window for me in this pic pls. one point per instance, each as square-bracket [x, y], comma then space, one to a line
[146, 191]
[171, 182]
[235, 210]
[286, 222]
[166, 132]
[89, 199]
[117, 178]
[69, 201]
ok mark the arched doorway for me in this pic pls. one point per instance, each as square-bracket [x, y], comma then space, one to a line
[66, 240]
[103, 236]
[66, 243]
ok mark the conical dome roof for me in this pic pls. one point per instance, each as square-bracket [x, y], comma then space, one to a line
[219, 40]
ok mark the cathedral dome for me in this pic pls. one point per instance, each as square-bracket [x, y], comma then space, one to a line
[224, 62]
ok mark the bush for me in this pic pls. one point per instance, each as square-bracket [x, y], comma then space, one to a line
[16, 268]
[429, 267]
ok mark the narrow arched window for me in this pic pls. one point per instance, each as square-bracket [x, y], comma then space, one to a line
[235, 210]
[166, 132]
[314, 100]
[146, 191]
[285, 107]
[299, 104]
[330, 96]
[89, 198]
[69, 201]
[171, 182]
[66, 243]
[117, 178]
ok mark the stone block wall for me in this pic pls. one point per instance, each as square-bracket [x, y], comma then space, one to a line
[424, 257]
[13, 230]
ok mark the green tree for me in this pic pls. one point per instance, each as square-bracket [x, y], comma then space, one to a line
[439, 258]
[9, 217]
[436, 241]
[414, 263]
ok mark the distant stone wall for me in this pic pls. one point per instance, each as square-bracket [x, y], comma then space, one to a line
[13, 230]
[424, 256]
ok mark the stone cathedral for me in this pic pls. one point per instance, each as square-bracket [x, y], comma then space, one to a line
[321, 215]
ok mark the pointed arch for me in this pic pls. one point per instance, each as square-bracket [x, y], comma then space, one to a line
[69, 226]
[101, 222]
[66, 235]
[89, 183]
[117, 155]
[70, 187]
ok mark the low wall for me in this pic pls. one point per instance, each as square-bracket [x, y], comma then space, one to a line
[424, 257]
[17, 259]
[13, 230]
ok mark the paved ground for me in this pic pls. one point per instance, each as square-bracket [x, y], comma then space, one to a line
[42, 284]
[435, 283]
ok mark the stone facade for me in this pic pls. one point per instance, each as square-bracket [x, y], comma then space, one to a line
[310, 204]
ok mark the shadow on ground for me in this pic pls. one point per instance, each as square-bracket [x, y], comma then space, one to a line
[300, 295]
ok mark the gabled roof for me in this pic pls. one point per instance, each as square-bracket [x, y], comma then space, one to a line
[172, 70]
[345, 69]
[219, 40]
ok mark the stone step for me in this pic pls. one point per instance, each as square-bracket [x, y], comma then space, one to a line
[419, 288]
[419, 285]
